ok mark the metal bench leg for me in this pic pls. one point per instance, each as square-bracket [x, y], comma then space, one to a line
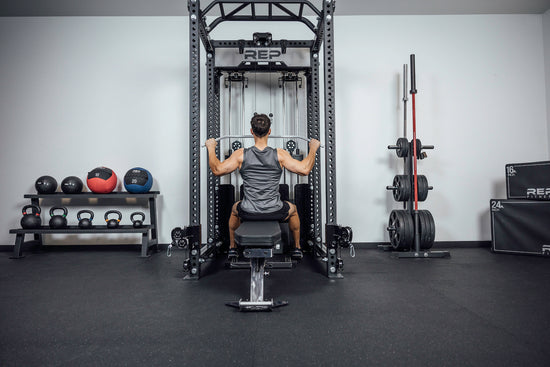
[18, 247]
[145, 244]
[256, 301]
[257, 266]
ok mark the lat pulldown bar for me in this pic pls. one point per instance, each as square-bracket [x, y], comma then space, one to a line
[271, 136]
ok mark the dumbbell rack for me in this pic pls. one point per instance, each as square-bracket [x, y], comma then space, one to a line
[411, 231]
[147, 241]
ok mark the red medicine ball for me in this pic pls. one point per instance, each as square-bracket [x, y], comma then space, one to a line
[101, 180]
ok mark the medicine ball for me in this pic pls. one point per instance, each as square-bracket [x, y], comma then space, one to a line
[101, 180]
[72, 185]
[138, 180]
[45, 185]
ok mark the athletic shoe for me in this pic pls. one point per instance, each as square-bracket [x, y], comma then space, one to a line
[232, 254]
[297, 254]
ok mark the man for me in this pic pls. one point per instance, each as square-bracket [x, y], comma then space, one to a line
[261, 167]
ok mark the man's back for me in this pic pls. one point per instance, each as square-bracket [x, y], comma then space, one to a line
[261, 173]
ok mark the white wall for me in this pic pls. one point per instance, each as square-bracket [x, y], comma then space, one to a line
[480, 101]
[546, 30]
[81, 92]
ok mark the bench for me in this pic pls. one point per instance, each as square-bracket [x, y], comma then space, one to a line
[257, 239]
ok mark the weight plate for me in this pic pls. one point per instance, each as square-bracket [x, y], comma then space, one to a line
[409, 224]
[402, 184]
[418, 148]
[422, 187]
[427, 229]
[393, 229]
[399, 228]
[402, 147]
[426, 232]
[431, 223]
[423, 227]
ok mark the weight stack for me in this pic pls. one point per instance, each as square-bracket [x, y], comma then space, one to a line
[226, 197]
[520, 226]
[302, 199]
[528, 180]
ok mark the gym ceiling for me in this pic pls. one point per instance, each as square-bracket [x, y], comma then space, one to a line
[25, 8]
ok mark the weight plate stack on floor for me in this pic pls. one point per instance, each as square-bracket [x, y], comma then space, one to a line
[401, 229]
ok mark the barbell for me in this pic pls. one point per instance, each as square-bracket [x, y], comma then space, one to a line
[271, 136]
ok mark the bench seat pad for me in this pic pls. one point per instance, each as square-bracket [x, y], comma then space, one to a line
[258, 234]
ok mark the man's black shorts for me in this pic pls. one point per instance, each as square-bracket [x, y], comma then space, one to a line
[279, 216]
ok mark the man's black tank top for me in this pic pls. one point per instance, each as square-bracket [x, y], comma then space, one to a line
[261, 173]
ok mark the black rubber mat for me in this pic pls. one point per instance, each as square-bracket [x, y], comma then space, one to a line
[112, 308]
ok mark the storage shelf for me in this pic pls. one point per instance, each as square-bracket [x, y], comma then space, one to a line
[87, 195]
[146, 243]
[78, 230]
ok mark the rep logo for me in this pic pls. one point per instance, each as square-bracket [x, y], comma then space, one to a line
[261, 54]
[538, 192]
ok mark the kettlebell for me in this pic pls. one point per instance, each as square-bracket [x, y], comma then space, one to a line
[137, 223]
[85, 222]
[113, 223]
[33, 219]
[58, 221]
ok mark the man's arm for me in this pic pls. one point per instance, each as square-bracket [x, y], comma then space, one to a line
[302, 167]
[227, 166]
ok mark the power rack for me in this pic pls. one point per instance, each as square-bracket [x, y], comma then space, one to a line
[262, 54]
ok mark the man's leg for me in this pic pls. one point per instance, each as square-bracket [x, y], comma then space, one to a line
[234, 223]
[294, 226]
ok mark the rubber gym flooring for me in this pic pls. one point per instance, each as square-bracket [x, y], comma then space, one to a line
[106, 307]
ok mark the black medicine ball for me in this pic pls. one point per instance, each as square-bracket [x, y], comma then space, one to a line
[45, 185]
[72, 185]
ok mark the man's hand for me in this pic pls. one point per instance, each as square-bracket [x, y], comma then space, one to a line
[211, 143]
[314, 144]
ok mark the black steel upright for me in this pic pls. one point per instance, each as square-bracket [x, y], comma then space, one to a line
[213, 131]
[314, 132]
[194, 138]
[330, 139]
